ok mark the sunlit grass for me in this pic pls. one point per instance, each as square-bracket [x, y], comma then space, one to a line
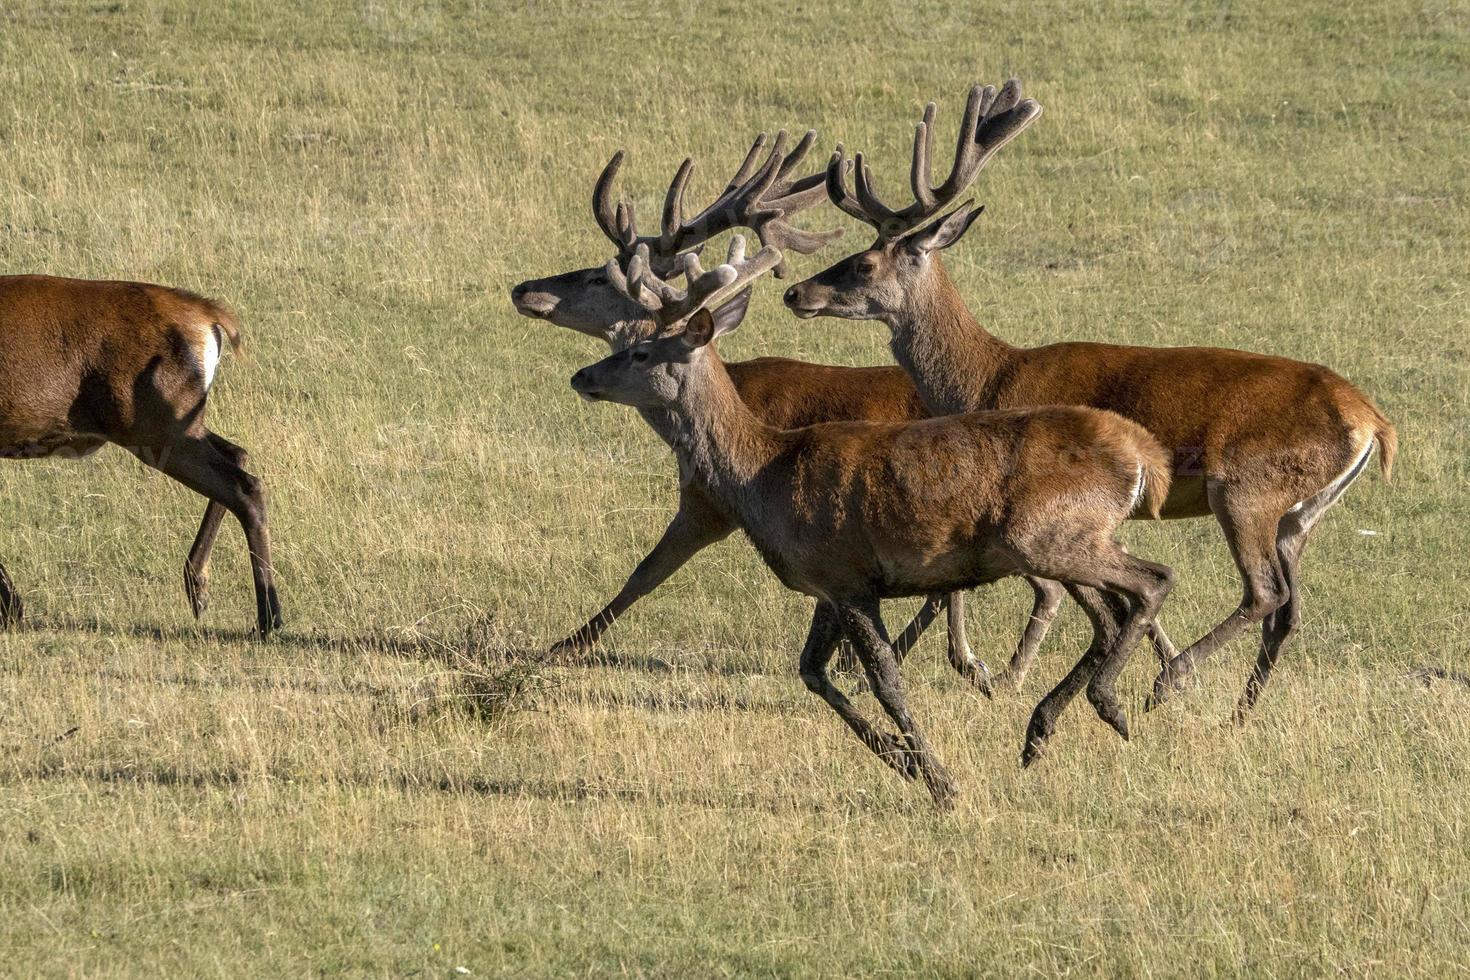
[365, 181]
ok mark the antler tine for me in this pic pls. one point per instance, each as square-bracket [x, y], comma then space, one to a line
[990, 120]
[638, 281]
[709, 289]
[966, 156]
[836, 184]
[1010, 94]
[748, 165]
[803, 147]
[607, 213]
[1007, 118]
[879, 214]
[673, 216]
[919, 171]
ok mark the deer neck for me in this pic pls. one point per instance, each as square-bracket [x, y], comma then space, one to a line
[952, 359]
[717, 437]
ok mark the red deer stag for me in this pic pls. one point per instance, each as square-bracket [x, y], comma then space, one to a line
[86, 363]
[786, 394]
[1263, 444]
[851, 513]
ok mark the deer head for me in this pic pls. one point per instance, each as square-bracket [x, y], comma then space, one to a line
[657, 372]
[901, 268]
[761, 196]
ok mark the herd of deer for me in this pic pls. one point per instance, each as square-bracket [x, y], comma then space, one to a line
[970, 461]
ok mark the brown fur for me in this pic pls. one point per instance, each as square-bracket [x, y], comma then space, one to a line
[1264, 444]
[855, 512]
[84, 363]
[1251, 436]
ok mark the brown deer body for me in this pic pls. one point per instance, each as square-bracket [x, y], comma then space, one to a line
[851, 513]
[85, 363]
[1263, 444]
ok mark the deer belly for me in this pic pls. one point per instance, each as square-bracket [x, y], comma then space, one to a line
[909, 574]
[68, 446]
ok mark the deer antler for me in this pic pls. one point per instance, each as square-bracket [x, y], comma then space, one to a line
[761, 196]
[991, 120]
[668, 303]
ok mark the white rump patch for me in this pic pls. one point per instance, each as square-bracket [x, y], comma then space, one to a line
[1138, 487]
[1309, 511]
[208, 352]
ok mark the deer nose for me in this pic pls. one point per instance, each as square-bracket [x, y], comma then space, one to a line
[793, 296]
[579, 379]
[518, 290]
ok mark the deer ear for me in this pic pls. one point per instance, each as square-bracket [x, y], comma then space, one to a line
[728, 317]
[700, 330]
[947, 231]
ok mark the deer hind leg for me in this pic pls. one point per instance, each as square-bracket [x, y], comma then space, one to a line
[196, 566]
[1250, 529]
[928, 612]
[1136, 590]
[961, 657]
[864, 628]
[1121, 595]
[821, 643]
[687, 534]
[12, 610]
[1277, 629]
[197, 463]
[1044, 608]
[1291, 540]
[1105, 628]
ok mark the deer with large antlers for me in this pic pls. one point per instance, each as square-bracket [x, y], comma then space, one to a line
[787, 394]
[852, 513]
[84, 364]
[1263, 444]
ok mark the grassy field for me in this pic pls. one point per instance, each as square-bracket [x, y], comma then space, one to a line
[366, 181]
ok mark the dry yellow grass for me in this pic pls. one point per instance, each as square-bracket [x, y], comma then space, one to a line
[366, 180]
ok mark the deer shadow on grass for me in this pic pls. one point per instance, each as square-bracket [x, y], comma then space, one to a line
[557, 791]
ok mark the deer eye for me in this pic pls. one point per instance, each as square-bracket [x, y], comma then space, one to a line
[639, 356]
[867, 266]
[597, 280]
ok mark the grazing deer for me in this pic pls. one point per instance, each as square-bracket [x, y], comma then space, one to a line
[786, 394]
[1263, 444]
[86, 363]
[851, 513]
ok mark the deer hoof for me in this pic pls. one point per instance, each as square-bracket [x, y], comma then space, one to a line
[1037, 733]
[196, 587]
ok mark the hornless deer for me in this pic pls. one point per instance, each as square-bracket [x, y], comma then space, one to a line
[786, 394]
[85, 363]
[851, 513]
[1264, 444]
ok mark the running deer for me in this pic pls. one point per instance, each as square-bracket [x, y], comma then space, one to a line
[852, 513]
[85, 363]
[1263, 444]
[786, 394]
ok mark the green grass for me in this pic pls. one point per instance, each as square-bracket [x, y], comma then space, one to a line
[366, 180]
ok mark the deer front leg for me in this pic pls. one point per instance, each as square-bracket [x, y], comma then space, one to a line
[961, 658]
[1048, 599]
[864, 627]
[691, 531]
[821, 642]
